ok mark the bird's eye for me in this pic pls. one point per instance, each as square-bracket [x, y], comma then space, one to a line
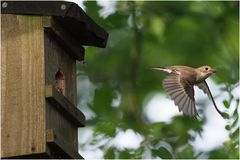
[206, 68]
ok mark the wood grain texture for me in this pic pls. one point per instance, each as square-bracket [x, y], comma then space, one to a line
[60, 102]
[58, 58]
[22, 86]
[59, 145]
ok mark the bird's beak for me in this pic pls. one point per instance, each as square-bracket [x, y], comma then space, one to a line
[214, 70]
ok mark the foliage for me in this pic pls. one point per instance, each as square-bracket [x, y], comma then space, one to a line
[144, 34]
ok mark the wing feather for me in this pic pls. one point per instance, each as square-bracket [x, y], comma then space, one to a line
[181, 92]
[187, 104]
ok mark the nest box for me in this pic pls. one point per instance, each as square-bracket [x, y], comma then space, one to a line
[40, 43]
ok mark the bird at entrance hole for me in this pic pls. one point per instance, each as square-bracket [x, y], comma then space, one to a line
[179, 86]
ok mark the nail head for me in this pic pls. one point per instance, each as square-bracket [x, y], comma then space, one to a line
[4, 5]
[63, 7]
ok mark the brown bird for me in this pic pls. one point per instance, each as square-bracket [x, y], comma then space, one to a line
[179, 85]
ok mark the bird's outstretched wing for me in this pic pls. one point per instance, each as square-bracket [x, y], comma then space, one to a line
[181, 92]
[204, 87]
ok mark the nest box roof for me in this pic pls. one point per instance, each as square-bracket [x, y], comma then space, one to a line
[80, 26]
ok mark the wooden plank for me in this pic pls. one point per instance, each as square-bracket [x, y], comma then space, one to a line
[59, 145]
[58, 58]
[22, 86]
[59, 33]
[64, 106]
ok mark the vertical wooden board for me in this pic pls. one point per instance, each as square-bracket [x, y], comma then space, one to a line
[22, 86]
[57, 58]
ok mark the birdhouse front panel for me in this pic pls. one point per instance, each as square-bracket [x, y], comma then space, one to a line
[22, 86]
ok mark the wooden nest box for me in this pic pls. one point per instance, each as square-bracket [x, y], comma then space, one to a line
[40, 43]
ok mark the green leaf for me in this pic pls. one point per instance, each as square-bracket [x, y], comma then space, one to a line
[103, 100]
[109, 154]
[235, 122]
[226, 104]
[235, 113]
[162, 153]
[227, 127]
[138, 153]
[116, 20]
[225, 115]
[219, 154]
[92, 9]
[107, 125]
[125, 154]
[186, 153]
[235, 134]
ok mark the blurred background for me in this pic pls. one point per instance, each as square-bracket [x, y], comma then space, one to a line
[128, 113]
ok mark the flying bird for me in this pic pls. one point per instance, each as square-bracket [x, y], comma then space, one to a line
[179, 85]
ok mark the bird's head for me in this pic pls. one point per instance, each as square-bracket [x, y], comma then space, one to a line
[205, 71]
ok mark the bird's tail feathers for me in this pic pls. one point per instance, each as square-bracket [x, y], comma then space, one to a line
[165, 69]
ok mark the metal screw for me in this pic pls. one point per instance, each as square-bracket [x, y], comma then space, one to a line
[4, 5]
[63, 7]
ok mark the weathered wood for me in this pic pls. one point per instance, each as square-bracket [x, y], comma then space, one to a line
[81, 27]
[30, 59]
[68, 43]
[58, 144]
[64, 106]
[22, 86]
[56, 57]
